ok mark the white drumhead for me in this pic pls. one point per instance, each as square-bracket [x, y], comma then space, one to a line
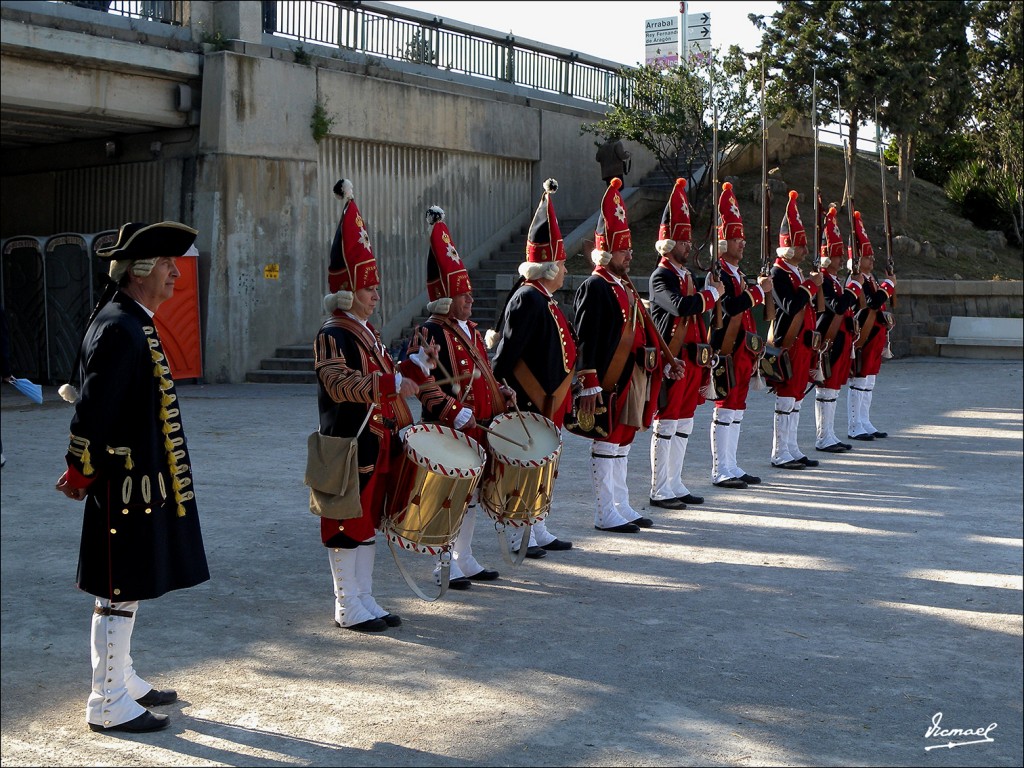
[439, 445]
[541, 440]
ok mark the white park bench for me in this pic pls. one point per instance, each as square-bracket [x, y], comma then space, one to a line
[984, 337]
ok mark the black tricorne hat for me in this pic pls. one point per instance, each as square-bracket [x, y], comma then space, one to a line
[149, 241]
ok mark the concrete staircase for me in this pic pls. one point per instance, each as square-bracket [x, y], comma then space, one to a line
[289, 365]
[294, 364]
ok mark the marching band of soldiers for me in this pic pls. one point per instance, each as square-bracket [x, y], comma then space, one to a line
[492, 409]
[624, 364]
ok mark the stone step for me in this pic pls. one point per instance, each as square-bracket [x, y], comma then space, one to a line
[281, 377]
[287, 364]
[295, 350]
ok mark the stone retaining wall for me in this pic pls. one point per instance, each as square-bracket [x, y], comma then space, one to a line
[924, 308]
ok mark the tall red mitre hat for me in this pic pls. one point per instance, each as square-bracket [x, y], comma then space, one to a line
[863, 244]
[544, 242]
[833, 246]
[612, 232]
[675, 219]
[352, 264]
[791, 233]
[446, 274]
[730, 224]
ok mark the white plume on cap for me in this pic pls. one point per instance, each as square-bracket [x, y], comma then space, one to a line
[551, 186]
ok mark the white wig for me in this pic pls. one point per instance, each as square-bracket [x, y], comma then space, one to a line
[600, 258]
[341, 300]
[664, 247]
[538, 270]
[439, 306]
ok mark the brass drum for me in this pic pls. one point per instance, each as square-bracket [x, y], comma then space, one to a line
[518, 482]
[440, 468]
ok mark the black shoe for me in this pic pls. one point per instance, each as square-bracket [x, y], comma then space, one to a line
[392, 619]
[846, 446]
[157, 698]
[668, 503]
[624, 528]
[834, 448]
[691, 499]
[460, 583]
[557, 545]
[144, 723]
[808, 462]
[534, 553]
[865, 436]
[731, 482]
[750, 479]
[370, 625]
[794, 464]
[880, 434]
[486, 575]
[643, 522]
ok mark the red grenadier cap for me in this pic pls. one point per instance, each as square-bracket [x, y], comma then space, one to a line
[612, 232]
[447, 276]
[791, 233]
[675, 219]
[352, 265]
[730, 224]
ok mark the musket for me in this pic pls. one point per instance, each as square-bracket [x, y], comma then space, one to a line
[819, 214]
[889, 266]
[854, 250]
[766, 203]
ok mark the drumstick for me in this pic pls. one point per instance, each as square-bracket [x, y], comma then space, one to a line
[503, 437]
[515, 405]
[441, 382]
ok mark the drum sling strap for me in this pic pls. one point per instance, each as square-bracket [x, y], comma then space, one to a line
[446, 564]
[548, 404]
[618, 361]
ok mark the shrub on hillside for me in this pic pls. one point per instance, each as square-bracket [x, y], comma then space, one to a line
[986, 196]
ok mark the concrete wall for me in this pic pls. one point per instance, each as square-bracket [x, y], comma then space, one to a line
[406, 140]
[924, 308]
[242, 165]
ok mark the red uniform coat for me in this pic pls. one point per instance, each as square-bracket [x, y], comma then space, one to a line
[675, 301]
[355, 374]
[603, 308]
[460, 356]
[794, 299]
[738, 300]
[534, 331]
[875, 299]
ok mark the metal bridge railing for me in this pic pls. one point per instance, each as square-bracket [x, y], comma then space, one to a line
[393, 33]
[166, 11]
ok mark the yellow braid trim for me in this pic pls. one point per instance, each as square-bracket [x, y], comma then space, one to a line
[87, 468]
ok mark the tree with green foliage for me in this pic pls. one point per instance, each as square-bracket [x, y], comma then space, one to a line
[670, 112]
[997, 51]
[842, 39]
[927, 91]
